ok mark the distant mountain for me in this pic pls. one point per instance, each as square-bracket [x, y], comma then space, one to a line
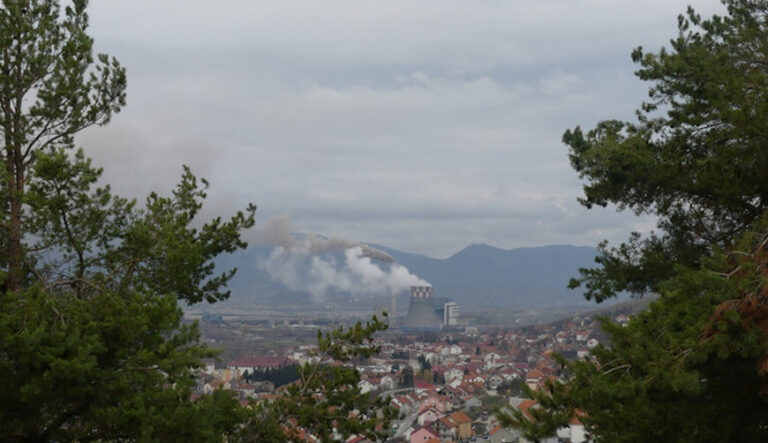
[480, 276]
[491, 276]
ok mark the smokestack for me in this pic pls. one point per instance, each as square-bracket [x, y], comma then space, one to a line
[421, 312]
[393, 313]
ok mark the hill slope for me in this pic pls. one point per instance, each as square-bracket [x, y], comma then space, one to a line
[478, 276]
[497, 277]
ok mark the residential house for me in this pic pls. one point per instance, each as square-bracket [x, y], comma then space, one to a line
[463, 424]
[472, 402]
[453, 373]
[258, 362]
[503, 435]
[366, 386]
[424, 434]
[534, 378]
[582, 335]
[428, 416]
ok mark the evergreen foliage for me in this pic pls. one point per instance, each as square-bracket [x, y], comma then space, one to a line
[695, 158]
[51, 88]
[425, 364]
[694, 367]
[406, 377]
[325, 400]
[92, 343]
[110, 366]
[400, 355]
[278, 376]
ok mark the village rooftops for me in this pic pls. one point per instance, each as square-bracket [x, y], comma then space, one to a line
[260, 361]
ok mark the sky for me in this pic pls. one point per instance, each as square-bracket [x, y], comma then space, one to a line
[422, 125]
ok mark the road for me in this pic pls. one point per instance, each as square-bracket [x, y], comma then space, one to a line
[407, 422]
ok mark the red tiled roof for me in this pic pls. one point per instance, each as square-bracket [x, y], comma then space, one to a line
[260, 361]
[460, 417]
[535, 374]
[576, 415]
[525, 407]
[421, 384]
[426, 428]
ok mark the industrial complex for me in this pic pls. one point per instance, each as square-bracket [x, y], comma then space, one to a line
[428, 313]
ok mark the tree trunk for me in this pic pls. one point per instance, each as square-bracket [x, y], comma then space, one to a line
[16, 179]
[16, 191]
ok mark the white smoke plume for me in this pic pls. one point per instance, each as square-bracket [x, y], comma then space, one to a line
[320, 275]
[278, 233]
[303, 264]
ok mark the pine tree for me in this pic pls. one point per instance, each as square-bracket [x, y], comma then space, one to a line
[694, 367]
[696, 156]
[51, 88]
[325, 401]
[92, 343]
[92, 346]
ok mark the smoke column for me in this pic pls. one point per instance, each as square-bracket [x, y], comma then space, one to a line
[278, 233]
[300, 264]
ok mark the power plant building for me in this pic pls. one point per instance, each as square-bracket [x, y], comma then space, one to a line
[421, 313]
[450, 314]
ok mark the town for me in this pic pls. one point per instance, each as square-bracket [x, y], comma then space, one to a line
[445, 385]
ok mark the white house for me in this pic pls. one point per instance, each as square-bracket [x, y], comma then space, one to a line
[365, 386]
[453, 373]
[388, 382]
[573, 433]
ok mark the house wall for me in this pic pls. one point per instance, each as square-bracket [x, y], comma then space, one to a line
[578, 434]
[420, 436]
[465, 430]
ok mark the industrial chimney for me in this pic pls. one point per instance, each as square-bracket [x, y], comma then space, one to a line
[421, 313]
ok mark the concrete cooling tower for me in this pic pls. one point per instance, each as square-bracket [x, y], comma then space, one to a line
[421, 313]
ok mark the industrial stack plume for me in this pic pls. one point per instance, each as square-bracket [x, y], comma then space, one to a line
[314, 264]
[421, 313]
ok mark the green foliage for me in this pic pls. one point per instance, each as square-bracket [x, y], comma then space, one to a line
[424, 363]
[694, 366]
[278, 376]
[92, 344]
[111, 358]
[48, 60]
[89, 240]
[51, 88]
[511, 388]
[677, 372]
[113, 366]
[325, 399]
[406, 377]
[696, 158]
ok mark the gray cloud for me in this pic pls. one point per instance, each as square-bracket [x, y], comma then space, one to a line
[419, 125]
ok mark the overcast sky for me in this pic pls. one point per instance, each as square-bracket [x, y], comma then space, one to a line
[420, 125]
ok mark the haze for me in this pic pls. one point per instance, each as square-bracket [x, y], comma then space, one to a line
[422, 125]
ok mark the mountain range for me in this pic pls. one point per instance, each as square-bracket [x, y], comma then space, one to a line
[480, 276]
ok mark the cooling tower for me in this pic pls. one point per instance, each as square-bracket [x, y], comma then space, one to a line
[421, 313]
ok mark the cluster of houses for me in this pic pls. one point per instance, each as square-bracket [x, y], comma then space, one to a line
[446, 390]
